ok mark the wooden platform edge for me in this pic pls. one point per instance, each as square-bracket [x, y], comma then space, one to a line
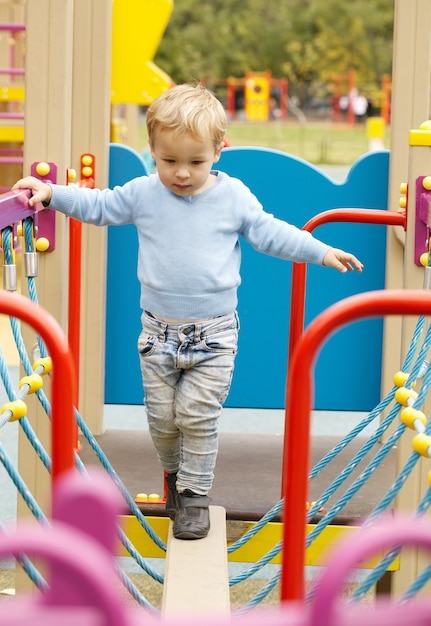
[196, 572]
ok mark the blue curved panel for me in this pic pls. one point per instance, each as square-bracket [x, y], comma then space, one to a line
[123, 384]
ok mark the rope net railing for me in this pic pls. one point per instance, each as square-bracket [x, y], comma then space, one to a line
[399, 410]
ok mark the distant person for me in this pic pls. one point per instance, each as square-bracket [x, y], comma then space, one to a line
[190, 218]
[360, 106]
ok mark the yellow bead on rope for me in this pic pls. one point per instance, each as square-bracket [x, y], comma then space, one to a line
[17, 409]
[422, 444]
[403, 395]
[412, 418]
[34, 382]
[400, 379]
[45, 363]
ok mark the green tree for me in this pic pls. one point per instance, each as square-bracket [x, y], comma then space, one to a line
[306, 41]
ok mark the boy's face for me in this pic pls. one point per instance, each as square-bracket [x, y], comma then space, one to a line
[184, 162]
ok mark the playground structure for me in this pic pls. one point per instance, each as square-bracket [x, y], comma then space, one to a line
[135, 78]
[419, 164]
[345, 89]
[256, 95]
[12, 60]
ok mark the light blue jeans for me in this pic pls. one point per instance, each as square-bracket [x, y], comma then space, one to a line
[187, 372]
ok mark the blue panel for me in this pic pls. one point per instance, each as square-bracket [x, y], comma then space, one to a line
[123, 384]
[348, 367]
[295, 191]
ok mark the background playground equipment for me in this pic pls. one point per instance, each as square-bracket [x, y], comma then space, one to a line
[259, 94]
[137, 29]
[344, 91]
[12, 61]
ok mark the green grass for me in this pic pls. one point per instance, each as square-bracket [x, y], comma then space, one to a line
[323, 142]
[316, 142]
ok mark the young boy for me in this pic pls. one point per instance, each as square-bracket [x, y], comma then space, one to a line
[189, 219]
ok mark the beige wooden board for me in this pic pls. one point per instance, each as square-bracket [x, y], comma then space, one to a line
[196, 573]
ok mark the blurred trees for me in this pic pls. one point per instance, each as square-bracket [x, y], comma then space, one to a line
[306, 41]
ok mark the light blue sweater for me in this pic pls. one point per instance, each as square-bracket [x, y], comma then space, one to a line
[189, 251]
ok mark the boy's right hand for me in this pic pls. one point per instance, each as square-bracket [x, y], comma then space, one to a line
[40, 191]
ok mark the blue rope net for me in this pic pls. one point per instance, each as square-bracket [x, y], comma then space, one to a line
[368, 458]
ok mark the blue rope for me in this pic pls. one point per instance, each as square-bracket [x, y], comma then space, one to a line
[35, 577]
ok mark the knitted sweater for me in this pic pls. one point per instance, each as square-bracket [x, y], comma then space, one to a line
[189, 251]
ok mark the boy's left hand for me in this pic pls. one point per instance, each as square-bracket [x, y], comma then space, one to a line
[342, 261]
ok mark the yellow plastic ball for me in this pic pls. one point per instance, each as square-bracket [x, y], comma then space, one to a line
[422, 444]
[403, 188]
[141, 497]
[409, 415]
[42, 244]
[154, 497]
[43, 169]
[400, 378]
[424, 259]
[71, 175]
[403, 202]
[34, 382]
[18, 409]
[426, 182]
[425, 125]
[44, 362]
[403, 395]
[87, 159]
[87, 171]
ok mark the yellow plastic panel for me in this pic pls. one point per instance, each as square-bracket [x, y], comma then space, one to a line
[13, 134]
[255, 548]
[137, 29]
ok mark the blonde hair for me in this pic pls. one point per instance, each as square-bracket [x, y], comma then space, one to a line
[188, 109]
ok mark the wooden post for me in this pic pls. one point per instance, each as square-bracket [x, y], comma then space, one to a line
[47, 138]
[90, 133]
[410, 108]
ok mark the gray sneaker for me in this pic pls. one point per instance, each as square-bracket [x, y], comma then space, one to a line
[192, 519]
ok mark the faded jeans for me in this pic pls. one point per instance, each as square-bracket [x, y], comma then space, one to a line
[187, 372]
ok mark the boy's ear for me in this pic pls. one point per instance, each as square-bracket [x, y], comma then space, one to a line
[218, 152]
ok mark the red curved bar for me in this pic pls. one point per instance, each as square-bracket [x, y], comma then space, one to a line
[63, 376]
[299, 270]
[299, 398]
[361, 216]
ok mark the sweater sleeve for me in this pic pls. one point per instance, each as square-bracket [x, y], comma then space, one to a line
[278, 238]
[95, 206]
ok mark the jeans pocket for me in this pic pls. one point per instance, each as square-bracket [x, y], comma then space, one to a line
[221, 341]
[147, 343]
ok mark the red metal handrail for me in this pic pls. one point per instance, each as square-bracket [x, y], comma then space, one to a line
[299, 270]
[63, 376]
[299, 399]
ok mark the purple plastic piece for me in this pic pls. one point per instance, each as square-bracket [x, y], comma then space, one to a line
[83, 588]
[423, 220]
[14, 208]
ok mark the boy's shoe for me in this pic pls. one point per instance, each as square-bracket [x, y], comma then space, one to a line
[171, 495]
[192, 519]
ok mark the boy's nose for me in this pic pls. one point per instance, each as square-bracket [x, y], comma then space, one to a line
[182, 172]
